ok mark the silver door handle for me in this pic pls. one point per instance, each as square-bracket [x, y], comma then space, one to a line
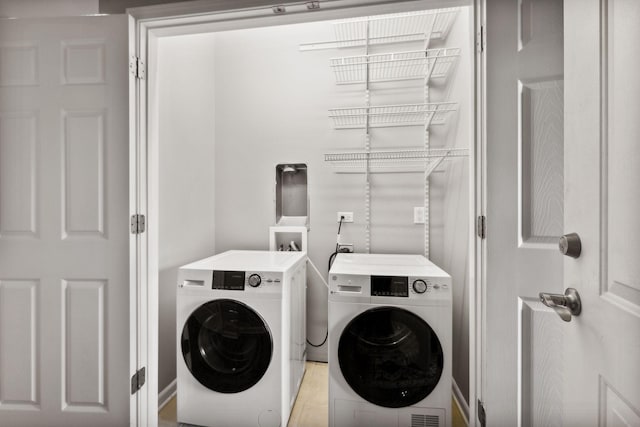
[566, 305]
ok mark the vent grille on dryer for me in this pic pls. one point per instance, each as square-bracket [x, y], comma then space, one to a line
[418, 420]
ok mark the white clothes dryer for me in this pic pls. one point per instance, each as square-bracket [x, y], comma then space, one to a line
[389, 342]
[241, 338]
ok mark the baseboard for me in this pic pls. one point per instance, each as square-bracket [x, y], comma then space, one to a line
[166, 394]
[317, 355]
[460, 401]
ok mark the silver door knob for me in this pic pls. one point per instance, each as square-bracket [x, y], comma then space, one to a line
[570, 245]
[566, 305]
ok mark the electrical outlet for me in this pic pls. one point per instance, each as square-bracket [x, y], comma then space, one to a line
[345, 248]
[348, 216]
[418, 215]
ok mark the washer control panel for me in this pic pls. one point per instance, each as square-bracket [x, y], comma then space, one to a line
[244, 280]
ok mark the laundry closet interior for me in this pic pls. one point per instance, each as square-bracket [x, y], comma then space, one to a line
[377, 109]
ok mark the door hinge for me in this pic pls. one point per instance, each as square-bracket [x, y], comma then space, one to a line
[136, 67]
[482, 416]
[481, 40]
[137, 224]
[138, 379]
[481, 225]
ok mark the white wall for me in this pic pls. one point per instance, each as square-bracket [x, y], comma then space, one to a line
[450, 198]
[272, 103]
[187, 179]
[271, 106]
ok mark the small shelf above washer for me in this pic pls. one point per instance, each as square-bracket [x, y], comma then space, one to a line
[386, 67]
[383, 161]
[392, 115]
[392, 28]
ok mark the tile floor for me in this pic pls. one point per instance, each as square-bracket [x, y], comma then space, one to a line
[311, 407]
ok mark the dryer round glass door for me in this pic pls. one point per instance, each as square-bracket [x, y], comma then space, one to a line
[226, 345]
[390, 357]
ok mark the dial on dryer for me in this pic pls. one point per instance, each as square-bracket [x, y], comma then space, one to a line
[419, 286]
[255, 280]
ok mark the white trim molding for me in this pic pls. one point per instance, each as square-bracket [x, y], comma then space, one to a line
[146, 26]
[459, 399]
[167, 394]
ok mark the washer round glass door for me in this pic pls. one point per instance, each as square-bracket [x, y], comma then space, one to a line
[390, 357]
[226, 345]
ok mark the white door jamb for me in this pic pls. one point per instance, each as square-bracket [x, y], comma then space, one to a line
[146, 25]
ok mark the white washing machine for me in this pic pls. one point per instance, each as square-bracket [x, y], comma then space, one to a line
[389, 342]
[241, 337]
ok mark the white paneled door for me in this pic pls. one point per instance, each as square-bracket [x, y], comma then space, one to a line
[64, 242]
[563, 88]
[584, 370]
[525, 204]
[541, 208]
[601, 346]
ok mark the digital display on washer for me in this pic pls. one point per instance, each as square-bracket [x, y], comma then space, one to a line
[389, 286]
[228, 280]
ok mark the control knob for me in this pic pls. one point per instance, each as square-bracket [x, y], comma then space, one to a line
[419, 286]
[255, 280]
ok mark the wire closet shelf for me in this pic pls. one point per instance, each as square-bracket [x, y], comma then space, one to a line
[392, 115]
[395, 66]
[393, 28]
[385, 161]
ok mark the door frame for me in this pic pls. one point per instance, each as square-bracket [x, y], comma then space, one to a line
[478, 286]
[146, 26]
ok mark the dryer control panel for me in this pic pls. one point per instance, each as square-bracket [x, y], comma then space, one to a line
[403, 286]
[389, 288]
